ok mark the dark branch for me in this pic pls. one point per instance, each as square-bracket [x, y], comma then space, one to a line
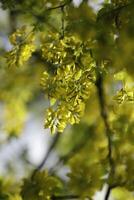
[65, 197]
[110, 187]
[107, 193]
[60, 6]
[114, 10]
[62, 23]
[13, 22]
[52, 146]
[74, 150]
[104, 115]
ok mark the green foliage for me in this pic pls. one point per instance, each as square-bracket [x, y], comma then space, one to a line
[81, 60]
[16, 96]
[9, 190]
[15, 197]
[41, 186]
[122, 125]
[124, 95]
[87, 175]
[68, 85]
[122, 193]
[23, 47]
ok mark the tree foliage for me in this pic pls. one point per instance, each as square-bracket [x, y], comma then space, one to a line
[81, 60]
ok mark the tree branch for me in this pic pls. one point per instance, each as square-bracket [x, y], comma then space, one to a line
[114, 10]
[62, 23]
[107, 193]
[50, 149]
[104, 115]
[65, 197]
[60, 6]
[74, 150]
[12, 19]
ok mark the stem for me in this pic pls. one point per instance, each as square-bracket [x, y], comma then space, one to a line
[104, 115]
[108, 131]
[52, 146]
[74, 150]
[114, 10]
[107, 193]
[12, 20]
[62, 23]
[61, 6]
[65, 197]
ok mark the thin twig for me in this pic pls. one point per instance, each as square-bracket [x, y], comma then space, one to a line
[65, 197]
[62, 23]
[110, 187]
[74, 150]
[13, 22]
[114, 10]
[52, 146]
[60, 6]
[107, 193]
[104, 115]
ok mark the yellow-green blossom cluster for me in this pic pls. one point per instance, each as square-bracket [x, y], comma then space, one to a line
[15, 197]
[68, 81]
[124, 95]
[23, 47]
[41, 186]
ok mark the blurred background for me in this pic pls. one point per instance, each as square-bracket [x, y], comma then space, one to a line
[34, 140]
[24, 142]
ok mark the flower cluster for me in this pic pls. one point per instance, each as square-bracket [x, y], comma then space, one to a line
[68, 84]
[23, 47]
